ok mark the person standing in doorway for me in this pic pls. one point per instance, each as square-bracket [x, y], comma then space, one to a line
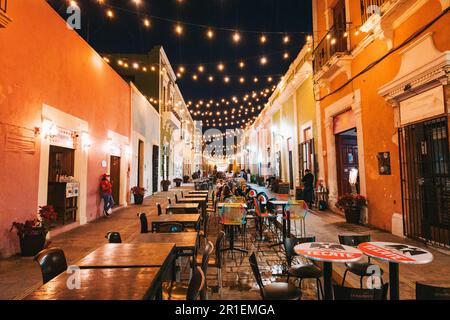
[106, 194]
[308, 187]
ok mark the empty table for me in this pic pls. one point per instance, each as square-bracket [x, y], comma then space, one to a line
[183, 208]
[102, 284]
[126, 255]
[328, 253]
[395, 254]
[184, 219]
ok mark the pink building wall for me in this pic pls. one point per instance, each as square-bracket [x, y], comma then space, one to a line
[43, 62]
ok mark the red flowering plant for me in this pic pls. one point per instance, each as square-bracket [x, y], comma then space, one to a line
[138, 191]
[351, 201]
[46, 216]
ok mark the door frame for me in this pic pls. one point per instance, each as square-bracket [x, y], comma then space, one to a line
[351, 101]
[115, 185]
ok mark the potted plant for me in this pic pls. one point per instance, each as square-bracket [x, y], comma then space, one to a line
[32, 233]
[185, 179]
[352, 204]
[177, 182]
[138, 193]
[165, 185]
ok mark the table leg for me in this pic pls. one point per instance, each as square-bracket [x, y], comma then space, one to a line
[394, 281]
[327, 280]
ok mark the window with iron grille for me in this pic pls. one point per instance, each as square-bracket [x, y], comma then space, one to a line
[425, 180]
[370, 7]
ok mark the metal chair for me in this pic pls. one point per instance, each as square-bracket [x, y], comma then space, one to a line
[357, 268]
[302, 271]
[169, 227]
[429, 292]
[52, 262]
[144, 223]
[276, 290]
[345, 293]
[113, 237]
[205, 263]
[295, 213]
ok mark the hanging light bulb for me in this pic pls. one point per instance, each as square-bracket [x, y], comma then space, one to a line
[263, 39]
[147, 23]
[263, 60]
[221, 67]
[236, 37]
[241, 64]
[210, 34]
[110, 13]
[201, 69]
[286, 39]
[179, 29]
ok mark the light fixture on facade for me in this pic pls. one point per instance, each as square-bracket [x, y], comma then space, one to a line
[49, 129]
[86, 141]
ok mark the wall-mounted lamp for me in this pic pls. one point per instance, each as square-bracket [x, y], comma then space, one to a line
[86, 141]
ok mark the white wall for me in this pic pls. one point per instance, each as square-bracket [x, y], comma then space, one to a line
[145, 127]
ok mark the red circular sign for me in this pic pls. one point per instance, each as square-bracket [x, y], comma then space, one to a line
[328, 252]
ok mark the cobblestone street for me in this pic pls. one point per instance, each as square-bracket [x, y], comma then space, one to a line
[238, 280]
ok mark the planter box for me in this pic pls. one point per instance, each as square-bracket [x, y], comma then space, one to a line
[30, 245]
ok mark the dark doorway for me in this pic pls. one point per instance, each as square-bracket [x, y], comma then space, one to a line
[346, 160]
[61, 163]
[140, 167]
[115, 178]
[291, 166]
[155, 171]
[425, 179]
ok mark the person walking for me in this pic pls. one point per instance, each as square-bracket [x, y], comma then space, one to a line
[308, 187]
[106, 194]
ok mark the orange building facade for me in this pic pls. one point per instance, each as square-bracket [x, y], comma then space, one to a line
[381, 71]
[59, 102]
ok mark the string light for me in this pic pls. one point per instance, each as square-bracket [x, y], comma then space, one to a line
[236, 37]
[147, 23]
[241, 64]
[221, 67]
[210, 34]
[110, 13]
[179, 29]
[263, 39]
[263, 60]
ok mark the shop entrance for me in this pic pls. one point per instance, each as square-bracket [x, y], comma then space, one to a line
[347, 161]
[155, 173]
[115, 178]
[140, 167]
[62, 189]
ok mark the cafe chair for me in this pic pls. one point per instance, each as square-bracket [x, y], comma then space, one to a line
[144, 223]
[276, 290]
[181, 291]
[346, 293]
[113, 237]
[358, 268]
[158, 206]
[209, 248]
[176, 198]
[169, 227]
[216, 261]
[429, 292]
[182, 194]
[169, 200]
[52, 262]
[302, 271]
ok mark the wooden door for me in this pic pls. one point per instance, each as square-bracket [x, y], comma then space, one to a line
[115, 178]
[346, 159]
[140, 167]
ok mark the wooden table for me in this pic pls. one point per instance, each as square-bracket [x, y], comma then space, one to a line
[201, 201]
[184, 219]
[102, 284]
[183, 208]
[185, 242]
[194, 196]
[202, 192]
[126, 255]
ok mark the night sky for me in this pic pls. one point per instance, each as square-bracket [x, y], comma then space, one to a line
[126, 33]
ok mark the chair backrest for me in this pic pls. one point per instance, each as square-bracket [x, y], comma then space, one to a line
[256, 272]
[52, 262]
[209, 248]
[258, 210]
[290, 243]
[353, 240]
[233, 214]
[428, 292]
[219, 243]
[176, 198]
[169, 200]
[296, 210]
[169, 227]
[206, 224]
[158, 206]
[346, 293]
[113, 237]
[196, 285]
[144, 223]
[182, 194]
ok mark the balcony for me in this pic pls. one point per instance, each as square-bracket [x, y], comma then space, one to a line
[4, 19]
[171, 121]
[370, 8]
[332, 54]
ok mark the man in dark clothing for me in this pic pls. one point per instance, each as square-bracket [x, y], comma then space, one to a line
[308, 187]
